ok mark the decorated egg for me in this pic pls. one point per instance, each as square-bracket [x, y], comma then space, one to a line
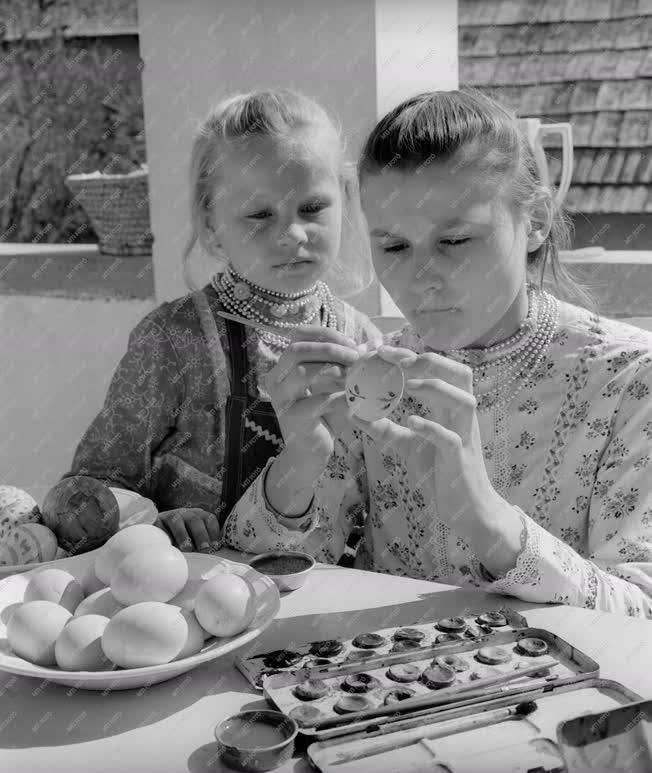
[125, 541]
[81, 504]
[33, 629]
[374, 387]
[102, 602]
[225, 605]
[79, 645]
[55, 585]
[17, 506]
[26, 543]
[146, 634]
[153, 573]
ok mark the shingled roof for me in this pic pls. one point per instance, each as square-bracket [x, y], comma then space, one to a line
[587, 62]
[77, 18]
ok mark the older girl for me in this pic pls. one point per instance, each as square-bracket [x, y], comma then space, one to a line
[519, 458]
[187, 421]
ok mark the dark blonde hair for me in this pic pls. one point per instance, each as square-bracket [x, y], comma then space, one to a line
[280, 114]
[472, 128]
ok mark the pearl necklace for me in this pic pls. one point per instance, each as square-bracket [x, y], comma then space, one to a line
[519, 364]
[271, 308]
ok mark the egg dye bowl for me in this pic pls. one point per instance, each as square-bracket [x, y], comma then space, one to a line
[200, 567]
[278, 565]
[256, 740]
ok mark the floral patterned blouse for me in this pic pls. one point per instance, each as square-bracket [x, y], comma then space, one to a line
[161, 430]
[571, 452]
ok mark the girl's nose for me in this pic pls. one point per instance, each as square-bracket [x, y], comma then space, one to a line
[294, 234]
[425, 276]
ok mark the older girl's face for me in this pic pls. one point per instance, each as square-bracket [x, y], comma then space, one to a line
[278, 218]
[450, 252]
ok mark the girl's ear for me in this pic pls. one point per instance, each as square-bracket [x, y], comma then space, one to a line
[538, 222]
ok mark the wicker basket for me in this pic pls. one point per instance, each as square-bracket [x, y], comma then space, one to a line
[118, 206]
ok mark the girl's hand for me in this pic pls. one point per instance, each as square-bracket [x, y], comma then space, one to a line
[443, 451]
[306, 389]
[191, 529]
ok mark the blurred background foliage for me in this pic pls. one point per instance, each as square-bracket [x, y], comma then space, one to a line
[70, 102]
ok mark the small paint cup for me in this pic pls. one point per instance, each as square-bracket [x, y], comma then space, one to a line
[256, 740]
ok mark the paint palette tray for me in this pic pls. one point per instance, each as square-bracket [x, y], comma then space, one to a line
[353, 695]
[618, 739]
[505, 734]
[479, 627]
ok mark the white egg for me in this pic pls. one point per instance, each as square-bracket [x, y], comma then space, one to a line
[196, 636]
[33, 629]
[225, 605]
[55, 585]
[124, 542]
[79, 645]
[146, 634]
[89, 580]
[153, 573]
[102, 602]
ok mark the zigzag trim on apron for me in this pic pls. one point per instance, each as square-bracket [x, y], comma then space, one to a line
[263, 432]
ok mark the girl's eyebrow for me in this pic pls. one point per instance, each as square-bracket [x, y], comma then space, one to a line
[380, 232]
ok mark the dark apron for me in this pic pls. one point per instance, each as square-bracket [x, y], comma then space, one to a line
[252, 432]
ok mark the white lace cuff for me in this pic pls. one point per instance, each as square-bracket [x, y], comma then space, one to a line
[546, 570]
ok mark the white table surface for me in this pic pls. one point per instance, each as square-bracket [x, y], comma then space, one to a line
[168, 728]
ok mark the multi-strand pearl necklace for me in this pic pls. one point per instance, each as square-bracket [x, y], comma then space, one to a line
[518, 356]
[274, 309]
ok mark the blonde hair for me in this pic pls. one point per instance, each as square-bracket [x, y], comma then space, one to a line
[473, 128]
[285, 115]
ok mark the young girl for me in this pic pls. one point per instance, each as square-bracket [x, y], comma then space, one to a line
[519, 458]
[187, 421]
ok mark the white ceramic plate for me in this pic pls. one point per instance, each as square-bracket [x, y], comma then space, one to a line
[200, 566]
[133, 509]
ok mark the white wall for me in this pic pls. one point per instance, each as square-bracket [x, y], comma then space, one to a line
[57, 358]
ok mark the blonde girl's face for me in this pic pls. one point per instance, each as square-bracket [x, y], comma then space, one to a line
[278, 215]
[450, 252]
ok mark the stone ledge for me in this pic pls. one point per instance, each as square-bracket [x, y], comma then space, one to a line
[73, 271]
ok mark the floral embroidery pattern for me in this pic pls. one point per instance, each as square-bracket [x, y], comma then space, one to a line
[574, 458]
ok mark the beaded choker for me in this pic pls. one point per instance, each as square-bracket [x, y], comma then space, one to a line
[274, 309]
[500, 371]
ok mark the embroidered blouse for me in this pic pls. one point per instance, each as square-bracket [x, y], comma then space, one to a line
[571, 452]
[161, 430]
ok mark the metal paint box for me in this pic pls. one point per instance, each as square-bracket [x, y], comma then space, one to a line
[491, 738]
[256, 668]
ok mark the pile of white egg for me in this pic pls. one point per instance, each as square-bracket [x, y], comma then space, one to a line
[135, 607]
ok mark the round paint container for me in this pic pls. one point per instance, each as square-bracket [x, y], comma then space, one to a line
[256, 740]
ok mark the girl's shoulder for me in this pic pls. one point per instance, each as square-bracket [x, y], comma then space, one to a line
[354, 323]
[173, 319]
[578, 328]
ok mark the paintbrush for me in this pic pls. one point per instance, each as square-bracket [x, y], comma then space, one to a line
[473, 691]
[251, 323]
[367, 748]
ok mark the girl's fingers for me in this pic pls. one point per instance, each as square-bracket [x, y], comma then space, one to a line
[316, 381]
[453, 407]
[384, 431]
[177, 529]
[445, 439]
[306, 352]
[213, 529]
[197, 528]
[429, 365]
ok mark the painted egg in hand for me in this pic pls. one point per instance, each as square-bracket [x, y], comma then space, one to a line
[374, 387]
